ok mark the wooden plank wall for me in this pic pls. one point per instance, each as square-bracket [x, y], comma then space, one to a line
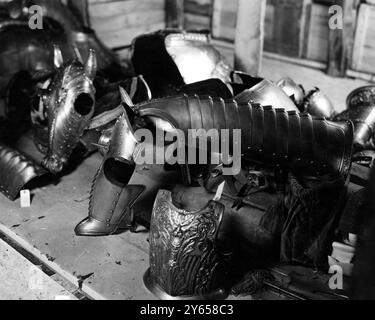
[295, 28]
[225, 20]
[316, 34]
[117, 22]
[197, 14]
[364, 43]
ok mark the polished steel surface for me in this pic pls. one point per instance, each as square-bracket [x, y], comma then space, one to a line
[363, 118]
[105, 141]
[361, 110]
[318, 104]
[170, 59]
[265, 93]
[111, 198]
[292, 89]
[69, 103]
[196, 58]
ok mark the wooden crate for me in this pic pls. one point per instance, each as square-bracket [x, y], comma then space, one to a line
[364, 42]
[317, 32]
[117, 22]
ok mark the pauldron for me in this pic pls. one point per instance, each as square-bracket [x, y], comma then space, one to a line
[185, 261]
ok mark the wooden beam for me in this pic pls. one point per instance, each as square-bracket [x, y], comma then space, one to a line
[80, 9]
[175, 13]
[249, 35]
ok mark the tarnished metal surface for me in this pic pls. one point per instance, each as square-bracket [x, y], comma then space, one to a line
[105, 141]
[16, 171]
[361, 110]
[292, 89]
[185, 262]
[265, 93]
[318, 104]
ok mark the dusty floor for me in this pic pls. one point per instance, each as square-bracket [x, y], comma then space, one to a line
[107, 267]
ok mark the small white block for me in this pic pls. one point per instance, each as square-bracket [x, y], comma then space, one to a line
[62, 297]
[25, 198]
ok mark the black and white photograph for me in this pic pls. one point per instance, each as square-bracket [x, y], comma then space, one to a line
[214, 152]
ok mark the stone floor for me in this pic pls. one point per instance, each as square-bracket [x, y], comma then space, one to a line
[106, 267]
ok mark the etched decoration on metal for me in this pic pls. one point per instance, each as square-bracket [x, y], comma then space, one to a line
[184, 259]
[69, 103]
[361, 110]
[362, 96]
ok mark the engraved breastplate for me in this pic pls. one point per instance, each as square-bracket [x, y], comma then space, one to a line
[184, 259]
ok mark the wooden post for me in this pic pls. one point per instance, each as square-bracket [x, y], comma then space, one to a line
[248, 46]
[341, 41]
[81, 9]
[175, 13]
